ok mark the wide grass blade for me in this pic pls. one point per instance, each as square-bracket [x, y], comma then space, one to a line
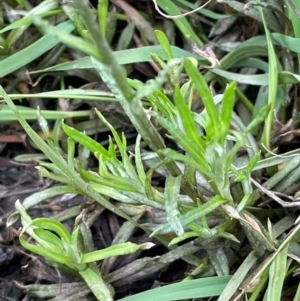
[32, 52]
[199, 288]
[284, 77]
[128, 56]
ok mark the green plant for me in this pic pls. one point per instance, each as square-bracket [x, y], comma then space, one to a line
[209, 154]
[208, 192]
[59, 247]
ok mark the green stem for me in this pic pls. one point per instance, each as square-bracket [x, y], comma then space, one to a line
[245, 100]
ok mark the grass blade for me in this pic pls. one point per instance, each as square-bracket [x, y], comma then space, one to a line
[238, 277]
[198, 288]
[172, 190]
[128, 56]
[277, 274]
[35, 50]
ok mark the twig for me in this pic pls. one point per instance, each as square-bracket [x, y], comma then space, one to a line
[25, 191]
[279, 156]
[273, 195]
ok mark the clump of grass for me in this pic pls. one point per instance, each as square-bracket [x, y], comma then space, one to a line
[59, 247]
[208, 194]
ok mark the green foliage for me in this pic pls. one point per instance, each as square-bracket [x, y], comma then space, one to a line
[56, 244]
[206, 156]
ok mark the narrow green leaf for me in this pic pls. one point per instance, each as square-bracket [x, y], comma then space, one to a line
[35, 50]
[36, 198]
[54, 226]
[226, 111]
[258, 119]
[43, 172]
[115, 182]
[71, 152]
[183, 237]
[252, 163]
[42, 8]
[238, 277]
[186, 119]
[284, 77]
[206, 96]
[102, 14]
[156, 84]
[115, 250]
[277, 274]
[297, 294]
[182, 23]
[71, 12]
[44, 125]
[85, 140]
[138, 160]
[219, 261]
[186, 142]
[129, 168]
[96, 284]
[26, 21]
[126, 37]
[128, 56]
[174, 155]
[49, 237]
[192, 215]
[70, 40]
[273, 82]
[172, 189]
[126, 196]
[123, 235]
[46, 253]
[286, 41]
[164, 42]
